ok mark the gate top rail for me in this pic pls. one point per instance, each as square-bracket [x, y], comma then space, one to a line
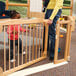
[29, 21]
[63, 22]
[20, 21]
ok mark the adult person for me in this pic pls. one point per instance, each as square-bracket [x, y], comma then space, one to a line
[53, 12]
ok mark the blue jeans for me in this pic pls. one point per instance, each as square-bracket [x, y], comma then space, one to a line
[51, 31]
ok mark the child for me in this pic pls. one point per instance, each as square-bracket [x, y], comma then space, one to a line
[14, 15]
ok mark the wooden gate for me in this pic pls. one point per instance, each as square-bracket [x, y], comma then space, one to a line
[67, 40]
[31, 40]
[32, 43]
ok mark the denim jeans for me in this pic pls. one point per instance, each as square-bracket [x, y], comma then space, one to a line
[51, 31]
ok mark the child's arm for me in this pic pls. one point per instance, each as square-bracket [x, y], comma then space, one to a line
[21, 29]
[11, 31]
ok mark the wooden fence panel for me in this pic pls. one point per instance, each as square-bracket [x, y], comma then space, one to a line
[31, 43]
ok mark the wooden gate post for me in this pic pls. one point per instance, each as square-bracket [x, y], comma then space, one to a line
[57, 42]
[67, 42]
[46, 39]
[72, 20]
[28, 11]
[71, 12]
[6, 4]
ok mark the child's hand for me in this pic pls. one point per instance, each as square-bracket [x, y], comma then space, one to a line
[25, 30]
[16, 32]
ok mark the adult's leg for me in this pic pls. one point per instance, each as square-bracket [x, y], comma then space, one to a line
[52, 34]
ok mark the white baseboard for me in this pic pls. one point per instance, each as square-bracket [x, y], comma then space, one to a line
[37, 69]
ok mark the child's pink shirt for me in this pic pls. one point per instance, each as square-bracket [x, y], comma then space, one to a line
[16, 29]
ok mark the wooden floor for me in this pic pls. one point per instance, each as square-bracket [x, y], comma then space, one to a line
[66, 70]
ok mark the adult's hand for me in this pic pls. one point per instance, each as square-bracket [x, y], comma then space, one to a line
[49, 21]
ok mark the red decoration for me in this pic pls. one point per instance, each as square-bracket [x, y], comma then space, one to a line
[3, 15]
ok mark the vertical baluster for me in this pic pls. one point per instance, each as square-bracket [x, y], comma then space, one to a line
[67, 42]
[7, 4]
[30, 45]
[4, 52]
[36, 41]
[39, 39]
[46, 40]
[14, 48]
[57, 42]
[33, 42]
[18, 44]
[22, 42]
[9, 47]
[42, 40]
[26, 45]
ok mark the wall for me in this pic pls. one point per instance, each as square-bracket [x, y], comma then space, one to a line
[74, 8]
